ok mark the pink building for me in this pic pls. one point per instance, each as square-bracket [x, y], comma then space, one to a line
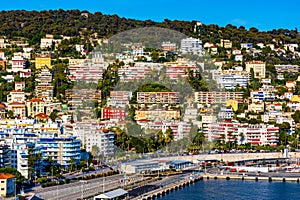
[85, 73]
[174, 71]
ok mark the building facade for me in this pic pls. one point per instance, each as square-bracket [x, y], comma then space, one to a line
[218, 97]
[158, 97]
[7, 185]
[259, 68]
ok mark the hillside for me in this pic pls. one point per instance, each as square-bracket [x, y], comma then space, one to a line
[34, 25]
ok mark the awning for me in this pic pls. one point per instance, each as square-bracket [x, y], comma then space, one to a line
[112, 194]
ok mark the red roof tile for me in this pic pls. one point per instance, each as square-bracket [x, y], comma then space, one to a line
[6, 176]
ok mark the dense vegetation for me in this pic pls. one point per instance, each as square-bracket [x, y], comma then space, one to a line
[34, 25]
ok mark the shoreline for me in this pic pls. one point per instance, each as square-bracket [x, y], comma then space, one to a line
[160, 192]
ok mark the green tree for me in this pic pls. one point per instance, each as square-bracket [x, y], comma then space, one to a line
[296, 116]
[53, 115]
[20, 179]
[95, 151]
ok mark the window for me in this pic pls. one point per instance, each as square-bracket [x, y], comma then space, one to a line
[2, 181]
[2, 188]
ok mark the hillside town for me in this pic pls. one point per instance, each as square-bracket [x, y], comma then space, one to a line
[46, 118]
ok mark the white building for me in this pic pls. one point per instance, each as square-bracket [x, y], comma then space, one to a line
[46, 42]
[16, 96]
[255, 134]
[94, 134]
[226, 113]
[191, 45]
[238, 57]
[17, 64]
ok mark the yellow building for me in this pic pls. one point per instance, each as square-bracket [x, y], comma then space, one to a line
[296, 98]
[7, 185]
[227, 44]
[157, 115]
[34, 107]
[257, 107]
[42, 62]
[233, 103]
[259, 68]
[2, 64]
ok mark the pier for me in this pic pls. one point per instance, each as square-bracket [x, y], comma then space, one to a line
[168, 188]
[250, 178]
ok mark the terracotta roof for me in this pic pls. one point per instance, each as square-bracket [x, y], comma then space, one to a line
[16, 91]
[35, 100]
[42, 116]
[16, 103]
[6, 176]
[2, 105]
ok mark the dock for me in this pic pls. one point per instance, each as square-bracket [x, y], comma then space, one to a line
[250, 178]
[168, 189]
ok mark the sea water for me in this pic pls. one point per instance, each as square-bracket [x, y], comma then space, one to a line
[235, 190]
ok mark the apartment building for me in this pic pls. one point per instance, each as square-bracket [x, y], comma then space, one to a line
[44, 76]
[259, 68]
[180, 129]
[5, 155]
[176, 70]
[60, 149]
[76, 62]
[158, 97]
[75, 97]
[86, 73]
[169, 46]
[42, 62]
[157, 115]
[231, 81]
[119, 99]
[114, 114]
[130, 73]
[255, 134]
[218, 97]
[286, 68]
[94, 134]
[47, 42]
[44, 92]
[18, 64]
[226, 113]
[191, 45]
[16, 96]
[262, 95]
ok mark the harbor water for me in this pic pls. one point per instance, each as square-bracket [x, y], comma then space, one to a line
[235, 189]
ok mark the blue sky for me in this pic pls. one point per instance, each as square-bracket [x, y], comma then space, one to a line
[262, 14]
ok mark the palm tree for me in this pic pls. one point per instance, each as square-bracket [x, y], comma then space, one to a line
[72, 163]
